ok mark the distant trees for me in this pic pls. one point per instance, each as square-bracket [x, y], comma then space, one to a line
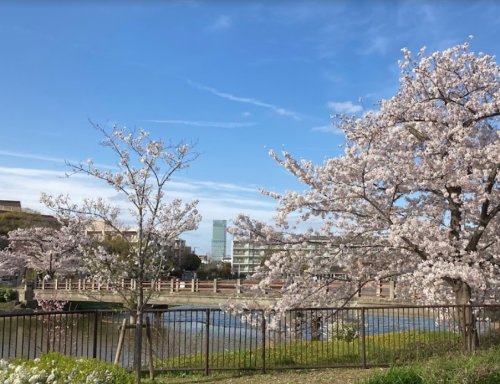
[189, 262]
[215, 270]
[10, 221]
[48, 251]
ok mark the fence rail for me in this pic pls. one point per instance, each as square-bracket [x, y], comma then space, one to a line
[385, 289]
[208, 339]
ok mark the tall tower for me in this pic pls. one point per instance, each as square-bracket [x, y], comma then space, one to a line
[219, 240]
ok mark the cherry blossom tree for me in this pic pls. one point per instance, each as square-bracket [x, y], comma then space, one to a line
[415, 195]
[49, 251]
[144, 168]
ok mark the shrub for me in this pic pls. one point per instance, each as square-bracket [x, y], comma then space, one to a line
[343, 329]
[54, 368]
[7, 294]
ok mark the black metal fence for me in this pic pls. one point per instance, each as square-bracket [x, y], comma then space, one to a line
[211, 339]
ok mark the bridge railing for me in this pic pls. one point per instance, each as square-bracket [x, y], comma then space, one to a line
[382, 289]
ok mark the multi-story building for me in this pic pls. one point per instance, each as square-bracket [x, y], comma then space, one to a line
[248, 255]
[10, 206]
[219, 240]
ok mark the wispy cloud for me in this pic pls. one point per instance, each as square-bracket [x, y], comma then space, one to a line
[222, 22]
[31, 156]
[198, 123]
[328, 129]
[217, 200]
[34, 156]
[347, 107]
[247, 100]
[377, 44]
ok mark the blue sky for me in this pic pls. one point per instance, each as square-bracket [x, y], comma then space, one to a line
[236, 77]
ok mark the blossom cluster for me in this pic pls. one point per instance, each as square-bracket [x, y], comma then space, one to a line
[414, 197]
[48, 372]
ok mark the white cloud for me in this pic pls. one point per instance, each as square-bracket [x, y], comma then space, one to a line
[198, 123]
[328, 129]
[34, 156]
[31, 156]
[246, 114]
[222, 22]
[216, 200]
[377, 44]
[346, 107]
[247, 100]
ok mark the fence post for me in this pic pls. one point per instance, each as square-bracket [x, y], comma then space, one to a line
[79, 284]
[215, 285]
[43, 284]
[363, 338]
[378, 290]
[193, 285]
[56, 285]
[238, 286]
[263, 342]
[172, 285]
[207, 342]
[94, 347]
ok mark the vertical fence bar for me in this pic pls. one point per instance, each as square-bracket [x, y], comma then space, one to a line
[363, 338]
[94, 346]
[263, 342]
[464, 328]
[207, 342]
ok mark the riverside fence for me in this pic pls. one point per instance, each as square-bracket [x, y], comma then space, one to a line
[207, 339]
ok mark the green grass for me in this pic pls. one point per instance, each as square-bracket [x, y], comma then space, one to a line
[389, 348]
[481, 368]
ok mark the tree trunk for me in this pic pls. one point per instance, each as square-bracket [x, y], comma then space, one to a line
[138, 333]
[466, 317]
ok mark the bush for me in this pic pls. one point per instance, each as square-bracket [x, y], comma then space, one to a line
[343, 329]
[7, 294]
[54, 368]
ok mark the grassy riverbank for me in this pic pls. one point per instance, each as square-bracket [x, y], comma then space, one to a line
[388, 348]
[449, 368]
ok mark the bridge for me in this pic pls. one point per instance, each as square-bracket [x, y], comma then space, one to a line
[178, 292]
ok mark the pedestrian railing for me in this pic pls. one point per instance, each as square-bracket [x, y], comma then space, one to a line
[383, 289]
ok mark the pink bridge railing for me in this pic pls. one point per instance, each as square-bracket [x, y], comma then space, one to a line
[382, 289]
